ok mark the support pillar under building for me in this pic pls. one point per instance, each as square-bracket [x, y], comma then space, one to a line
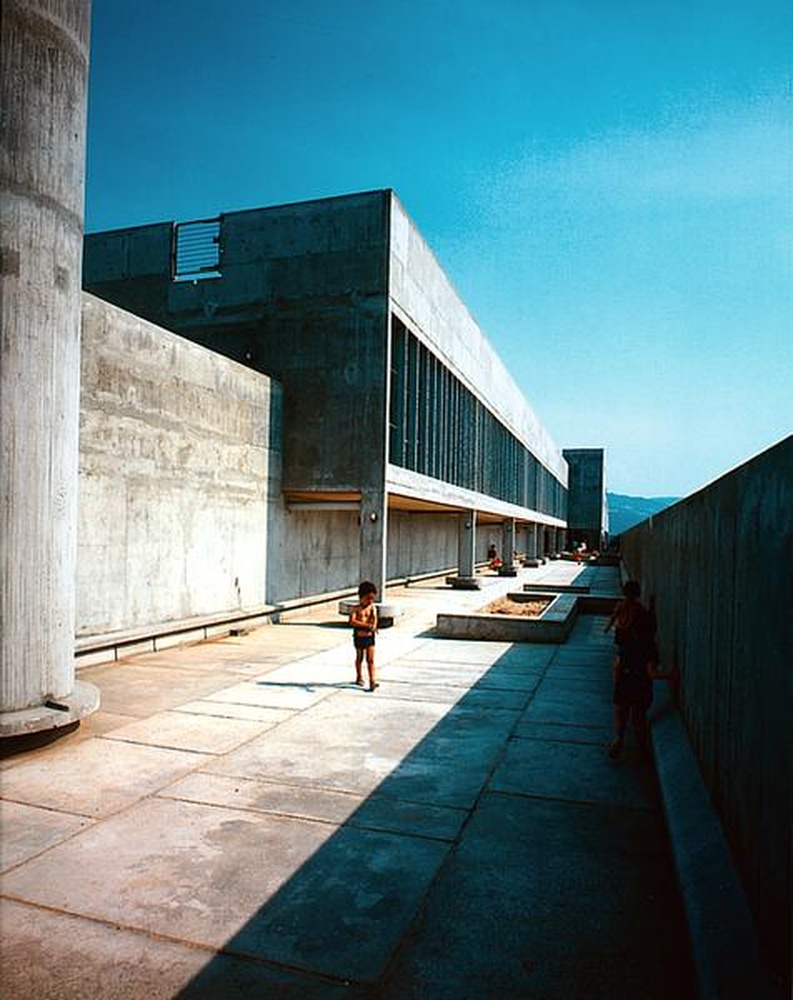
[43, 86]
[508, 541]
[466, 544]
[466, 578]
[373, 539]
[532, 532]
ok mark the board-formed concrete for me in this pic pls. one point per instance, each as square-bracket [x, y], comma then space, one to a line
[455, 828]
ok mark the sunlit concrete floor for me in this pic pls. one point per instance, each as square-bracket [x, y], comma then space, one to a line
[240, 820]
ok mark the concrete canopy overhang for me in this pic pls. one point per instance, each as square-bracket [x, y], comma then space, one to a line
[439, 498]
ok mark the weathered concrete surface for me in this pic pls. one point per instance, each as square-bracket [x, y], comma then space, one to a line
[43, 77]
[440, 837]
[178, 472]
[719, 563]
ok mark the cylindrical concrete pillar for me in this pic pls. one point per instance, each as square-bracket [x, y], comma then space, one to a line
[43, 86]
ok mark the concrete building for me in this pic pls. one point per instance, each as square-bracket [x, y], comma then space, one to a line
[407, 446]
[587, 510]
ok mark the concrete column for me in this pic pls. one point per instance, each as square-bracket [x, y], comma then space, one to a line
[508, 541]
[466, 544]
[374, 539]
[531, 541]
[560, 546]
[43, 83]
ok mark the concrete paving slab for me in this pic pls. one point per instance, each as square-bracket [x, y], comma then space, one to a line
[58, 956]
[416, 819]
[29, 830]
[532, 904]
[297, 801]
[574, 772]
[426, 672]
[451, 766]
[509, 670]
[359, 739]
[231, 710]
[246, 882]
[581, 706]
[95, 777]
[333, 668]
[184, 731]
[563, 733]
[465, 651]
[273, 694]
[371, 886]
[580, 680]
[178, 869]
[583, 670]
[483, 696]
[128, 688]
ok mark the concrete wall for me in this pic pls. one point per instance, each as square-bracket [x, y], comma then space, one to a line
[177, 474]
[421, 543]
[301, 297]
[317, 552]
[720, 564]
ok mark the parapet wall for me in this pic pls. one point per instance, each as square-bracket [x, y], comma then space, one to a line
[719, 563]
[179, 477]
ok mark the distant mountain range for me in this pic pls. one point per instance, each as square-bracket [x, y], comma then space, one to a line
[625, 511]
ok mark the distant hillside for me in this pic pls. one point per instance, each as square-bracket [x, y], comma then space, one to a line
[624, 511]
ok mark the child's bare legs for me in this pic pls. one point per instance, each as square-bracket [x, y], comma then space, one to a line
[370, 666]
[621, 715]
[359, 666]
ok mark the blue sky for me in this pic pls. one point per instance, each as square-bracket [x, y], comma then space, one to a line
[608, 184]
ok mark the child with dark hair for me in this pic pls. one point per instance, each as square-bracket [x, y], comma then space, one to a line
[364, 624]
[635, 667]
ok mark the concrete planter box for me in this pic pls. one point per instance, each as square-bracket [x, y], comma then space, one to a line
[553, 625]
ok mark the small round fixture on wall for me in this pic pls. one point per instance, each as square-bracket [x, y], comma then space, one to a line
[373, 516]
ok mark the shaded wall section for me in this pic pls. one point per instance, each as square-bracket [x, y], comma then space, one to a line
[179, 469]
[719, 563]
[421, 543]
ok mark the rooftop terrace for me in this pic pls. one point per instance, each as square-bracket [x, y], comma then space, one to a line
[240, 820]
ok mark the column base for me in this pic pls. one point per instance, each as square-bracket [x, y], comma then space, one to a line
[464, 582]
[83, 700]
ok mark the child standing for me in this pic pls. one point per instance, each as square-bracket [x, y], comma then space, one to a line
[635, 667]
[364, 623]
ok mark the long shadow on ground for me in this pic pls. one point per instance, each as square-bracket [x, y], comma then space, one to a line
[503, 856]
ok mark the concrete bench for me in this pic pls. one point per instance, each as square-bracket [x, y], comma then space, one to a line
[386, 612]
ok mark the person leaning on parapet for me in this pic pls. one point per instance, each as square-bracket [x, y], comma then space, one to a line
[635, 667]
[364, 624]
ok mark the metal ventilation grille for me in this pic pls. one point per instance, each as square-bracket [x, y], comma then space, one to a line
[196, 250]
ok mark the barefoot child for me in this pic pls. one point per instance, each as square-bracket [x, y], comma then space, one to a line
[635, 667]
[364, 623]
